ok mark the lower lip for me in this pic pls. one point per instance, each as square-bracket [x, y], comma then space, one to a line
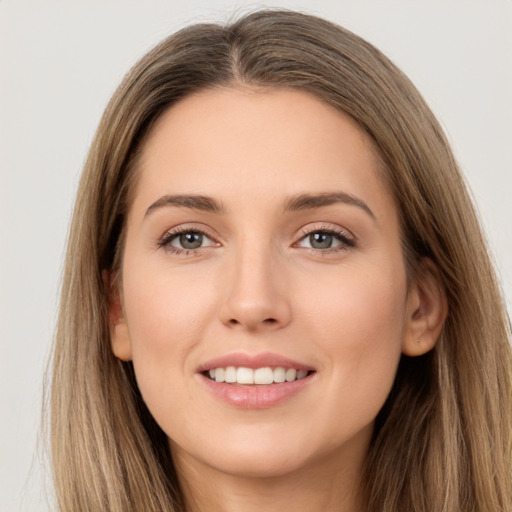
[256, 396]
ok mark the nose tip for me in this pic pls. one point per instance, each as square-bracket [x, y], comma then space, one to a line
[255, 298]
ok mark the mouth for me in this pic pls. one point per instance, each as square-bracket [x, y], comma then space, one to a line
[263, 376]
[256, 381]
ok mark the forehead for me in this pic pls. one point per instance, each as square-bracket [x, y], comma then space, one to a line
[243, 143]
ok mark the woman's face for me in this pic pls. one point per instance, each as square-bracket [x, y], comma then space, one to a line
[261, 237]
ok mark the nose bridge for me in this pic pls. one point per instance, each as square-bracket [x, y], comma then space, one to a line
[255, 290]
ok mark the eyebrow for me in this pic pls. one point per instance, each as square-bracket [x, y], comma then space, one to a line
[311, 201]
[194, 202]
[295, 203]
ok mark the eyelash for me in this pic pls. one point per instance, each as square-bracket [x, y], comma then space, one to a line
[347, 241]
[169, 236]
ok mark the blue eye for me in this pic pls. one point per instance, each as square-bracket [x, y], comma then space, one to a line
[186, 240]
[190, 240]
[326, 239]
[321, 240]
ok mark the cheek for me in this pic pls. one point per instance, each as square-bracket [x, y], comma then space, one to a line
[358, 322]
[166, 317]
[164, 306]
[355, 304]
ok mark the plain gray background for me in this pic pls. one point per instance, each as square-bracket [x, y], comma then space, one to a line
[61, 61]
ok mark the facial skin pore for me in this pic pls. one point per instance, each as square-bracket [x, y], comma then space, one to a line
[260, 228]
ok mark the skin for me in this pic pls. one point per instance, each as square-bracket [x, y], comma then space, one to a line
[257, 285]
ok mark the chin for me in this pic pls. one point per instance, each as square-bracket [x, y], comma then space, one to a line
[246, 454]
[261, 464]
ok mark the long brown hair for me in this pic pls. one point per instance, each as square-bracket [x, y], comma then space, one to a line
[442, 442]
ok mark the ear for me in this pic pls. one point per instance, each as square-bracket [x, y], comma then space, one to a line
[426, 310]
[118, 328]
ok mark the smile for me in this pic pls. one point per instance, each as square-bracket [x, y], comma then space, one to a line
[258, 376]
[255, 381]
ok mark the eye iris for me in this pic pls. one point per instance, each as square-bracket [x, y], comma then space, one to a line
[191, 240]
[320, 240]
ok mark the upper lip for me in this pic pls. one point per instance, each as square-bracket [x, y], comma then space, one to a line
[253, 361]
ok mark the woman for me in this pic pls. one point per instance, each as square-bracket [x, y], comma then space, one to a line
[277, 294]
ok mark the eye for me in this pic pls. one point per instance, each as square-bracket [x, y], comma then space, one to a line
[324, 239]
[321, 240]
[188, 240]
[185, 240]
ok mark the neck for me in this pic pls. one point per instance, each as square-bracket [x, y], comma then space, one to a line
[326, 485]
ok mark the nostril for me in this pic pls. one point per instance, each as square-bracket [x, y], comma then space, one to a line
[267, 321]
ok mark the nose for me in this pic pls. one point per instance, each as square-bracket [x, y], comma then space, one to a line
[255, 297]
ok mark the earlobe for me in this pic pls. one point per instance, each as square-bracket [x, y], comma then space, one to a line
[426, 311]
[118, 328]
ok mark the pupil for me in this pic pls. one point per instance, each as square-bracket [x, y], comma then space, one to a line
[191, 240]
[320, 240]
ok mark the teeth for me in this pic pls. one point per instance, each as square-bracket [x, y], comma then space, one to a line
[280, 375]
[301, 374]
[243, 375]
[220, 374]
[291, 374]
[265, 375]
[230, 374]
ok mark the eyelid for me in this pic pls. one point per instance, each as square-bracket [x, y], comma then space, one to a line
[165, 240]
[346, 238]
